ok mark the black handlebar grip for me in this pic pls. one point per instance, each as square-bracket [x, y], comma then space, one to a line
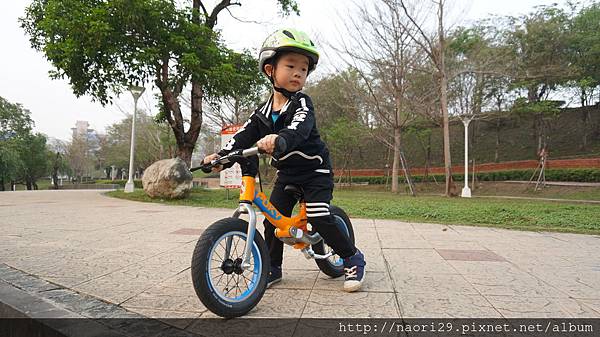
[280, 146]
[206, 168]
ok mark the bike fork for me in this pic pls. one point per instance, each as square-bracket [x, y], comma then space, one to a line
[247, 209]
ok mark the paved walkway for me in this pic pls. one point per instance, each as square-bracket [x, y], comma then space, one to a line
[136, 257]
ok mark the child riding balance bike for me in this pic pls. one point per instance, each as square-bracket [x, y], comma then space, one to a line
[230, 266]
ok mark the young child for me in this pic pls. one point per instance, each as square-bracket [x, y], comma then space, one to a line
[285, 127]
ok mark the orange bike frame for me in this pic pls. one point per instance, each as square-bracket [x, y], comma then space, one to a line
[248, 194]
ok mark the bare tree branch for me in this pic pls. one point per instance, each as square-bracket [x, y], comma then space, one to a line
[212, 19]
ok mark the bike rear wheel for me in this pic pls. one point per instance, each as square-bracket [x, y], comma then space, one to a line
[334, 265]
[223, 286]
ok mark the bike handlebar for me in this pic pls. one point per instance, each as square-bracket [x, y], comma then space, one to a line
[233, 156]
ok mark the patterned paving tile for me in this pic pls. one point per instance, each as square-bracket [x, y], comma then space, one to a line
[469, 255]
[188, 231]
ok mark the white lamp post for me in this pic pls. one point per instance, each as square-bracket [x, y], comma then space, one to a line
[136, 92]
[466, 191]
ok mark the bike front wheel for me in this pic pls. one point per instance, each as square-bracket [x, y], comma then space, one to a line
[223, 286]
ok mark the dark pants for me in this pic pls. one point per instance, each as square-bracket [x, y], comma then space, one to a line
[318, 188]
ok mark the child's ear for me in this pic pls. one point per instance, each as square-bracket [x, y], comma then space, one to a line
[269, 69]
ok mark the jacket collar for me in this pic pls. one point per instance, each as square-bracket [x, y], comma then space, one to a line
[264, 112]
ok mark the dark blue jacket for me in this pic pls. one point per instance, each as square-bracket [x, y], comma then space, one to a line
[304, 151]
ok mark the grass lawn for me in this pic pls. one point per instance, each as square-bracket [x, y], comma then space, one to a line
[497, 188]
[513, 214]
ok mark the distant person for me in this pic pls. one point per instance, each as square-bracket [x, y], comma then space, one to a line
[543, 153]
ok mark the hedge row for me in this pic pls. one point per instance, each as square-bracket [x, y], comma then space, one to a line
[579, 175]
[121, 183]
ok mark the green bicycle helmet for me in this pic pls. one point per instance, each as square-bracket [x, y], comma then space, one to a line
[290, 40]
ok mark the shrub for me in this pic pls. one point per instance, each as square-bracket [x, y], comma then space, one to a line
[579, 175]
[120, 182]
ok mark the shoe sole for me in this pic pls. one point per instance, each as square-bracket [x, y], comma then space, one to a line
[273, 282]
[356, 286]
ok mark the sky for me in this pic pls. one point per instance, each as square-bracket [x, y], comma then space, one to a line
[55, 109]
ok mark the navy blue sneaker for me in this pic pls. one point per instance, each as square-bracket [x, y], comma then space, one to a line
[354, 267]
[275, 276]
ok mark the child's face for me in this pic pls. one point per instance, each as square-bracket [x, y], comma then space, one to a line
[290, 71]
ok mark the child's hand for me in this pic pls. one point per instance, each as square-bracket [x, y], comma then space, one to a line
[210, 158]
[267, 143]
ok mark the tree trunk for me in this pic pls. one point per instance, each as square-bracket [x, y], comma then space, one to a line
[428, 156]
[191, 136]
[54, 180]
[533, 96]
[587, 119]
[28, 184]
[2, 184]
[497, 147]
[236, 108]
[444, 98]
[478, 99]
[186, 141]
[539, 131]
[446, 124]
[345, 170]
[185, 153]
[473, 135]
[396, 161]
[55, 171]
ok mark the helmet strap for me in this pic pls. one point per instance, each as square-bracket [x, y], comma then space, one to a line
[288, 94]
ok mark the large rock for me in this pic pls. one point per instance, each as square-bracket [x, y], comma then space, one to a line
[168, 178]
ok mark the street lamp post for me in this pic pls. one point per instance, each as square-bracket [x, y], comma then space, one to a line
[466, 191]
[136, 92]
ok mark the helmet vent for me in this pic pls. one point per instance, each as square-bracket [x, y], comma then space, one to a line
[288, 34]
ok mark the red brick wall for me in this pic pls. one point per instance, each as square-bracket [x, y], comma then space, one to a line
[489, 167]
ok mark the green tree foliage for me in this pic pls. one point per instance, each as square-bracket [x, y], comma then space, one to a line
[103, 46]
[584, 45]
[512, 55]
[236, 106]
[477, 66]
[23, 155]
[34, 155]
[10, 163]
[344, 137]
[539, 44]
[15, 121]
[15, 124]
[58, 164]
[79, 157]
[154, 141]
[339, 95]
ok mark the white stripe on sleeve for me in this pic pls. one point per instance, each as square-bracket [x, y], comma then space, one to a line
[319, 209]
[317, 215]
